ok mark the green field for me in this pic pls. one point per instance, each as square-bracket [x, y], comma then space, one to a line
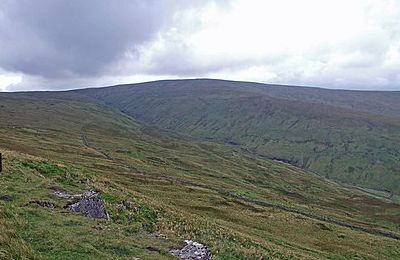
[229, 197]
[348, 136]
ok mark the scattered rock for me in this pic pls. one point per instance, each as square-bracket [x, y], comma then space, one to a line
[129, 205]
[86, 194]
[123, 151]
[159, 235]
[61, 194]
[192, 250]
[154, 249]
[324, 227]
[6, 198]
[91, 207]
[43, 203]
[97, 227]
[121, 207]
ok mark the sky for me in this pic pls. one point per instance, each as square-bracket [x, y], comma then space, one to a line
[68, 44]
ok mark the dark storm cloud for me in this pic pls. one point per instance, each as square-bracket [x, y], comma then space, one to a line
[60, 39]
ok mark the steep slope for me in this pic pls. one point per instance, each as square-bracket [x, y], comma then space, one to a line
[241, 205]
[348, 136]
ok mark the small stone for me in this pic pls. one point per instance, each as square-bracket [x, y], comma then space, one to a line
[6, 198]
[121, 207]
[62, 194]
[98, 227]
[159, 235]
[130, 205]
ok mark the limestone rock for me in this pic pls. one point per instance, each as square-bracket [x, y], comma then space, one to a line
[91, 207]
[87, 203]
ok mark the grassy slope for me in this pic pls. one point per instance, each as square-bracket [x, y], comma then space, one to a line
[297, 125]
[186, 183]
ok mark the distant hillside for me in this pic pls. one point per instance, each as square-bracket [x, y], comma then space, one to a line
[351, 136]
[375, 102]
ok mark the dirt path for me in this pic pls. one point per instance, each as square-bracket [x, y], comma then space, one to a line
[86, 143]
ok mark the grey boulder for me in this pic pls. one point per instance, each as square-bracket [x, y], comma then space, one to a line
[88, 204]
[92, 207]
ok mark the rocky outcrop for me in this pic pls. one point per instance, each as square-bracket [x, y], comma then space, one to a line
[193, 250]
[87, 203]
[91, 207]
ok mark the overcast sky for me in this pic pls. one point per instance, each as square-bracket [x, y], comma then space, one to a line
[65, 44]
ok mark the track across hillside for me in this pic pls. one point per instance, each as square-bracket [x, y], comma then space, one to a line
[263, 203]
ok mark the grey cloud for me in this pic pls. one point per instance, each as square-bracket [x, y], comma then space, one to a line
[60, 39]
[63, 44]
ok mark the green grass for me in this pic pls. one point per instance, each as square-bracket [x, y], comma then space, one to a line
[45, 168]
[347, 136]
[177, 186]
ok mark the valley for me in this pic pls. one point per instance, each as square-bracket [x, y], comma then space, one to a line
[229, 197]
[347, 136]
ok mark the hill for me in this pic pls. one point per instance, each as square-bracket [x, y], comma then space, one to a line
[153, 182]
[348, 136]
